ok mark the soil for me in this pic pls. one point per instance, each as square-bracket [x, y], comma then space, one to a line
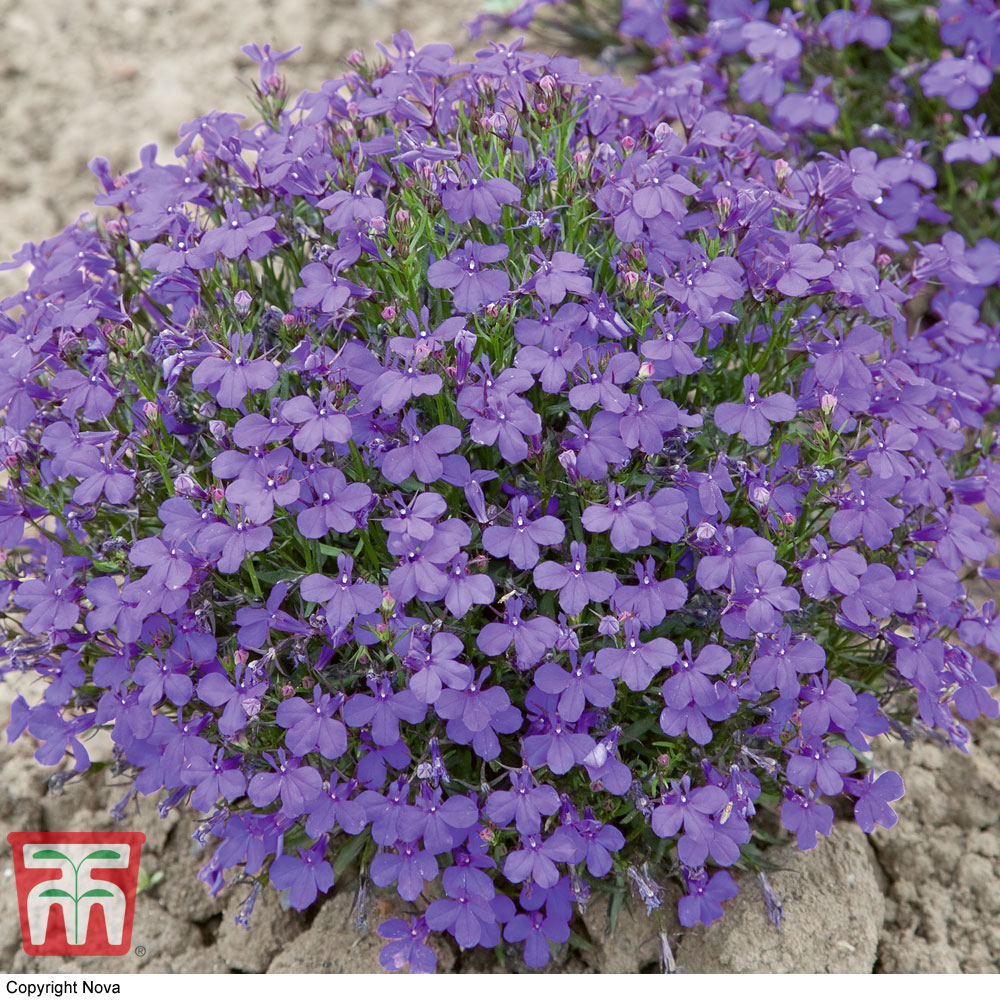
[106, 77]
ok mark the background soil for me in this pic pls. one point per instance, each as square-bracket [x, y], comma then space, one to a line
[103, 77]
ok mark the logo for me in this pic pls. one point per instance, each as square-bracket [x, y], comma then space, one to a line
[76, 891]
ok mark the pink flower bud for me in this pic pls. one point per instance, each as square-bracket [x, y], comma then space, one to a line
[705, 532]
[389, 313]
[355, 58]
[242, 300]
[287, 691]
[828, 402]
[646, 369]
[788, 517]
[628, 144]
[631, 279]
[883, 260]
[548, 83]
[217, 493]
[251, 706]
[402, 217]
[150, 409]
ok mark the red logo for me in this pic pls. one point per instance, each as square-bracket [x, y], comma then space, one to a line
[76, 891]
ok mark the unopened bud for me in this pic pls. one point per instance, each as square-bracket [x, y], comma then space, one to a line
[548, 84]
[828, 402]
[389, 313]
[150, 409]
[355, 58]
[631, 279]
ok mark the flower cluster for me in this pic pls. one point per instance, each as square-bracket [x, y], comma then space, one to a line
[501, 479]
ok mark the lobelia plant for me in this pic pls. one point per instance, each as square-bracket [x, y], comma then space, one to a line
[502, 479]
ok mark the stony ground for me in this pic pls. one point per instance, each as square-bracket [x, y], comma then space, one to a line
[106, 77]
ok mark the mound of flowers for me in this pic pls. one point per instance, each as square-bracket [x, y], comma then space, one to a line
[500, 481]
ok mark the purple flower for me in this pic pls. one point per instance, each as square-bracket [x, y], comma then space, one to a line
[383, 709]
[305, 877]
[779, 662]
[421, 455]
[471, 919]
[576, 584]
[977, 146]
[814, 762]
[239, 233]
[472, 284]
[629, 523]
[761, 602]
[532, 639]
[637, 662]
[826, 571]
[537, 859]
[807, 818]
[337, 504]
[752, 420]
[410, 868]
[650, 599]
[576, 687]
[316, 423]
[234, 541]
[813, 108]
[477, 714]
[689, 809]
[556, 277]
[520, 541]
[689, 680]
[481, 197]
[705, 896]
[873, 796]
[395, 387]
[466, 589]
[597, 446]
[312, 727]
[406, 946]
[604, 767]
[215, 778]
[295, 784]
[867, 512]
[526, 804]
[324, 290]
[233, 377]
[335, 807]
[959, 81]
[436, 668]
[264, 485]
[442, 823]
[344, 599]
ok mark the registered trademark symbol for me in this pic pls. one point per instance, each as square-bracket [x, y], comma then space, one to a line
[139, 950]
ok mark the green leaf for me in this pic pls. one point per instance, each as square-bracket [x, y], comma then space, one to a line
[97, 892]
[56, 892]
[102, 856]
[347, 854]
[50, 855]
